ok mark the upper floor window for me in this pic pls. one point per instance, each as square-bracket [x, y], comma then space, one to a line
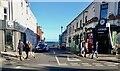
[81, 24]
[69, 30]
[76, 25]
[118, 8]
[5, 11]
[73, 27]
[85, 19]
[104, 11]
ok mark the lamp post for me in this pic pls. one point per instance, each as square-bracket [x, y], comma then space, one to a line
[61, 29]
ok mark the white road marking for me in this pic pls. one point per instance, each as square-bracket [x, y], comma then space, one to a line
[96, 63]
[56, 59]
[17, 67]
[73, 59]
[84, 63]
[108, 63]
[111, 65]
[45, 64]
[53, 52]
[74, 64]
[116, 63]
[63, 64]
[87, 65]
[99, 65]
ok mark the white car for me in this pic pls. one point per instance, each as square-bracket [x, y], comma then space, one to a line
[41, 47]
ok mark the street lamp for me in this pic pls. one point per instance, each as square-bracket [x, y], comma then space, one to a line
[61, 29]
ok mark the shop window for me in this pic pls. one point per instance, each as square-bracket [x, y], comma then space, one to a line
[8, 39]
[104, 11]
[119, 8]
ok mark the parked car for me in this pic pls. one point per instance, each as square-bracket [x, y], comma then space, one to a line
[41, 47]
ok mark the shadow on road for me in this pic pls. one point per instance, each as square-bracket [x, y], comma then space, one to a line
[110, 61]
[48, 68]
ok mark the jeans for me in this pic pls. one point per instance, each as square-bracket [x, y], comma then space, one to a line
[96, 54]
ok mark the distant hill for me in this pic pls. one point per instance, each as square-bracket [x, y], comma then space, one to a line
[52, 43]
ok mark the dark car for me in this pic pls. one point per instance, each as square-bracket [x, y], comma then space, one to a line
[41, 47]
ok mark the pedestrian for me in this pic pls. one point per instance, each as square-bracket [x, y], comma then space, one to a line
[27, 49]
[20, 48]
[90, 45]
[81, 47]
[30, 47]
[95, 51]
[85, 48]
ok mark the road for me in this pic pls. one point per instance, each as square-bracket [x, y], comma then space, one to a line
[58, 60]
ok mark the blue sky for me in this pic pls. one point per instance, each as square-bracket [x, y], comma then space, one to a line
[52, 15]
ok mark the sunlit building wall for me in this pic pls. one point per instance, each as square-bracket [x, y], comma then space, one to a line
[17, 22]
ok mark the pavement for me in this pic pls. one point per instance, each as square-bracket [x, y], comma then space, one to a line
[13, 55]
[106, 57]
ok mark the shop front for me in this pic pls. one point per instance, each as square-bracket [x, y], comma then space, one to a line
[13, 32]
[105, 35]
[103, 40]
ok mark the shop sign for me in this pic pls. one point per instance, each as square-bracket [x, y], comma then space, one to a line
[19, 27]
[10, 25]
[94, 19]
[102, 22]
[102, 30]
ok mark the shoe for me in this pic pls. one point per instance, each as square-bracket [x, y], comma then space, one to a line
[26, 58]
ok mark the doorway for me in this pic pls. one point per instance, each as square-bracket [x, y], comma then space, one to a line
[103, 44]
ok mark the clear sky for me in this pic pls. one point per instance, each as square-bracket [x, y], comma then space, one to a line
[52, 15]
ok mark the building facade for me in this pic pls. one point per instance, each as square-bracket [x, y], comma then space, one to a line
[17, 22]
[101, 19]
[39, 34]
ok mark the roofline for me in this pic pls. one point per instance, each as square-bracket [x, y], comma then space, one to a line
[80, 13]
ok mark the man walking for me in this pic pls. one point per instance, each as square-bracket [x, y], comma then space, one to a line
[20, 48]
[27, 49]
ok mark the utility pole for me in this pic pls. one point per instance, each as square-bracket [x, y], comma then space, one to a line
[61, 29]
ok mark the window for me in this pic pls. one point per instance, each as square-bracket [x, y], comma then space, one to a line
[69, 30]
[81, 24]
[5, 11]
[5, 17]
[76, 25]
[21, 3]
[73, 27]
[119, 8]
[85, 19]
[104, 11]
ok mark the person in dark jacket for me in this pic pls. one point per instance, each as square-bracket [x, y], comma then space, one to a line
[27, 49]
[20, 48]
